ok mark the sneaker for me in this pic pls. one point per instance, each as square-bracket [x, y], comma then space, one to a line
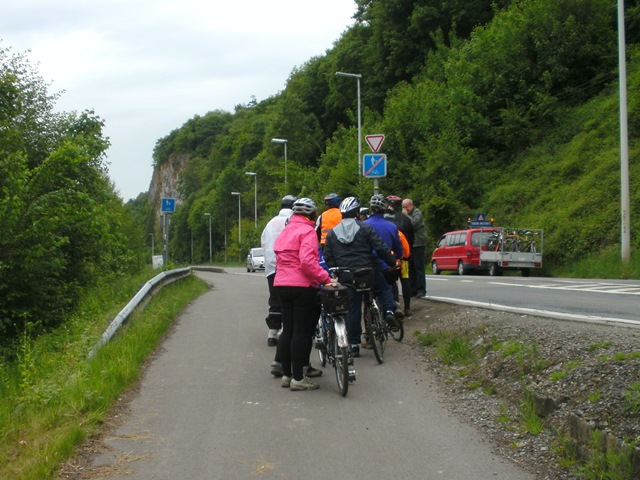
[407, 313]
[355, 350]
[304, 384]
[276, 369]
[399, 315]
[312, 372]
[391, 319]
[272, 342]
[366, 344]
[285, 382]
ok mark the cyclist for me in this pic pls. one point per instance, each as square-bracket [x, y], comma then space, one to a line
[353, 244]
[267, 239]
[329, 218]
[405, 229]
[298, 275]
[388, 231]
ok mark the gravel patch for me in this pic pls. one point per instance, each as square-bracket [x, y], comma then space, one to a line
[581, 378]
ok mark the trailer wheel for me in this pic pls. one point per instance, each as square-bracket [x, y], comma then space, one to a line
[525, 272]
[434, 268]
[495, 270]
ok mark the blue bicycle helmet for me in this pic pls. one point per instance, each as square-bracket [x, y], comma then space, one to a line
[332, 200]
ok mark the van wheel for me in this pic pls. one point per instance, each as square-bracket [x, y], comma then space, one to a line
[434, 268]
[494, 270]
[461, 269]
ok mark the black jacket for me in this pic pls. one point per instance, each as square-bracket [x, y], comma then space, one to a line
[352, 244]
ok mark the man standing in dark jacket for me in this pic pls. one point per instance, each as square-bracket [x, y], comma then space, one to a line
[417, 265]
[351, 244]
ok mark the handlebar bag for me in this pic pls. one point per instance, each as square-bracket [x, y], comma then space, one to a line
[335, 300]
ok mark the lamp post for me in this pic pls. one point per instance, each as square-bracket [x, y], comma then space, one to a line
[255, 197]
[239, 220]
[357, 76]
[625, 235]
[283, 141]
[209, 215]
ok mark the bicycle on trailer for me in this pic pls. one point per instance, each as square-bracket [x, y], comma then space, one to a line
[331, 335]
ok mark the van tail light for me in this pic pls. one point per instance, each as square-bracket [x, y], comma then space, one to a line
[538, 264]
[505, 264]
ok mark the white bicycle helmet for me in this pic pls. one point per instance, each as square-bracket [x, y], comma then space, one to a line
[304, 206]
[350, 204]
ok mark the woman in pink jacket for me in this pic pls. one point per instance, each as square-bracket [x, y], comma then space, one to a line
[298, 276]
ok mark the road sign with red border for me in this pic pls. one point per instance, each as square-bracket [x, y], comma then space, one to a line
[374, 165]
[374, 142]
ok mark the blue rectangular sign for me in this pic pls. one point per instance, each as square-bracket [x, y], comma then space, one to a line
[374, 165]
[168, 205]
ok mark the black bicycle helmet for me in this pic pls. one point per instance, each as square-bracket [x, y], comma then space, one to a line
[332, 200]
[350, 204]
[378, 203]
[287, 201]
[304, 206]
[395, 202]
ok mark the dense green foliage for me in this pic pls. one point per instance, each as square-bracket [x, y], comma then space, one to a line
[61, 224]
[505, 107]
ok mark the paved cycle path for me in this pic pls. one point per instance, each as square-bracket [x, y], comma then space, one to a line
[209, 409]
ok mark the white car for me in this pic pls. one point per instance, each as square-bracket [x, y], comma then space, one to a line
[255, 260]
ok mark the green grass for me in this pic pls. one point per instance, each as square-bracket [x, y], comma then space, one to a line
[52, 396]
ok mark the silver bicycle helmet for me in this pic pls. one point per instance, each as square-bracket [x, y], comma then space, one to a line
[287, 201]
[350, 204]
[304, 206]
[378, 202]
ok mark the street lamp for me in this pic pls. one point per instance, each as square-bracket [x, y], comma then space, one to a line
[239, 219]
[255, 197]
[283, 141]
[357, 76]
[209, 215]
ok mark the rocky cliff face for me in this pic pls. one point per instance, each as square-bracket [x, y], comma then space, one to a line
[164, 183]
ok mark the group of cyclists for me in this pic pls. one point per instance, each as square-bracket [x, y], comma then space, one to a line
[299, 246]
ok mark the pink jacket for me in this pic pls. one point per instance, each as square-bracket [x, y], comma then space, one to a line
[297, 257]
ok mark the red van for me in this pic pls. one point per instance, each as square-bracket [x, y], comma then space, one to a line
[460, 251]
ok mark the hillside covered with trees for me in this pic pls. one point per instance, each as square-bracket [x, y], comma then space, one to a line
[62, 226]
[508, 107]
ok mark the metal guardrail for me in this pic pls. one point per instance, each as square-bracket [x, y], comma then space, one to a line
[140, 299]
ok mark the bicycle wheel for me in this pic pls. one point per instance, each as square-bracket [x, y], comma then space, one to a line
[321, 341]
[341, 364]
[397, 333]
[379, 337]
[372, 329]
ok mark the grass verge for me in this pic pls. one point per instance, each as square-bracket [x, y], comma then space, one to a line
[52, 396]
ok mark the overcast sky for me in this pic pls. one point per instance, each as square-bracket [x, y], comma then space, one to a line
[148, 66]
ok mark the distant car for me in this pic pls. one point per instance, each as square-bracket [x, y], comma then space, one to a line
[255, 260]
[460, 251]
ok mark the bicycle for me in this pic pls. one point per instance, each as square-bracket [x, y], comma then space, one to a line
[331, 335]
[376, 328]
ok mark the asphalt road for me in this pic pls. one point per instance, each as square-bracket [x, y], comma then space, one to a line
[606, 301]
[209, 409]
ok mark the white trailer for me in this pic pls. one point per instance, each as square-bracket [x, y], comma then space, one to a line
[513, 248]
